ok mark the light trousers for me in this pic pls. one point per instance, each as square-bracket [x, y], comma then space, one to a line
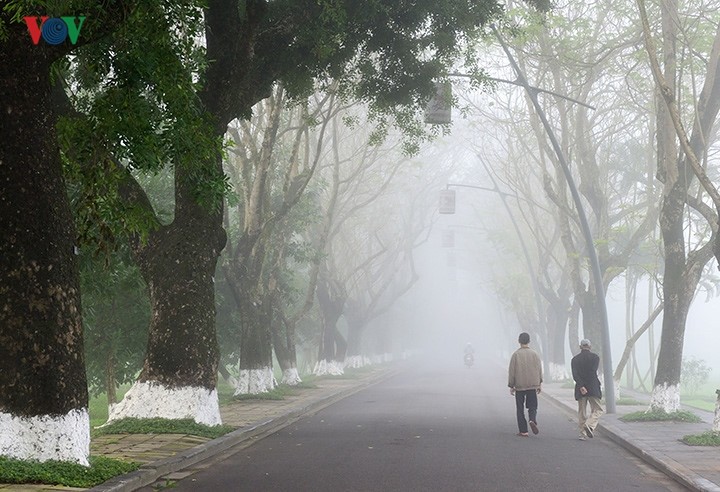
[596, 410]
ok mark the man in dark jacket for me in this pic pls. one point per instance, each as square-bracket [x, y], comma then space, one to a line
[587, 389]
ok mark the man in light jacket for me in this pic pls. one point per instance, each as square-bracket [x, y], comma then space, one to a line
[525, 380]
[587, 388]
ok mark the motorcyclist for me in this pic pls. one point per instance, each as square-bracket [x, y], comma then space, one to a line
[469, 354]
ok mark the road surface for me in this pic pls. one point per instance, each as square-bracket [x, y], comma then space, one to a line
[434, 428]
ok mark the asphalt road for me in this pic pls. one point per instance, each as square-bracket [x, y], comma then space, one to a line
[428, 429]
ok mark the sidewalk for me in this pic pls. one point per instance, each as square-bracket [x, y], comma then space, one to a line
[657, 443]
[698, 468]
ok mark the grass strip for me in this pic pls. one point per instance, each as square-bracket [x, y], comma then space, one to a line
[660, 416]
[63, 473]
[162, 426]
[708, 438]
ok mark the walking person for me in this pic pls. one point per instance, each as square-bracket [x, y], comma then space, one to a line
[525, 380]
[587, 389]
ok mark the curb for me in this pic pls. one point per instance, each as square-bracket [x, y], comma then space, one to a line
[151, 472]
[662, 462]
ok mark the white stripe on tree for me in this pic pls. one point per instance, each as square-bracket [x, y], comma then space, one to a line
[146, 400]
[47, 437]
[666, 398]
[255, 381]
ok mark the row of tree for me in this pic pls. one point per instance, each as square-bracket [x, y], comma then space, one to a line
[640, 132]
[155, 85]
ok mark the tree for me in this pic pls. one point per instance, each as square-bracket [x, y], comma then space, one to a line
[678, 168]
[271, 173]
[43, 389]
[250, 46]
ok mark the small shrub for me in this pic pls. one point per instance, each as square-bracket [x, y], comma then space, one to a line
[695, 373]
[660, 416]
[62, 473]
[163, 426]
[708, 438]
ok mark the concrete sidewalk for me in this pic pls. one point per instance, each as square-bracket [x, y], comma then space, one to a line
[657, 443]
[698, 468]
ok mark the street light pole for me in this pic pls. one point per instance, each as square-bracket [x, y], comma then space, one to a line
[587, 234]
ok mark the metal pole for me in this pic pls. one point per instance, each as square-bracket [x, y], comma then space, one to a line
[587, 234]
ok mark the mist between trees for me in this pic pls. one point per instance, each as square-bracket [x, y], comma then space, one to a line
[249, 192]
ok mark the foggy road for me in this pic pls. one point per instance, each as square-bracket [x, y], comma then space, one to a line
[428, 429]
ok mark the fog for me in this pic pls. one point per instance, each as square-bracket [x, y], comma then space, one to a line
[455, 301]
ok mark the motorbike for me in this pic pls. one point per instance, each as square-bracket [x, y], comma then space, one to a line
[469, 360]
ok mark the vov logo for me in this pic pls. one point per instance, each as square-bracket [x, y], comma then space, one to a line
[54, 30]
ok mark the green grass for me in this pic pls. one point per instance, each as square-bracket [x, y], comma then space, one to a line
[162, 426]
[700, 403]
[62, 473]
[708, 438]
[98, 407]
[225, 392]
[659, 416]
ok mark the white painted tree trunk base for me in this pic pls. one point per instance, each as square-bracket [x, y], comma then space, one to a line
[47, 437]
[147, 400]
[328, 368]
[255, 381]
[716, 420]
[357, 362]
[558, 372]
[382, 358]
[291, 377]
[665, 398]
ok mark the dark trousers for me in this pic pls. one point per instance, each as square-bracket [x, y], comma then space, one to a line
[526, 399]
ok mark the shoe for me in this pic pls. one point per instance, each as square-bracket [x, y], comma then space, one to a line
[581, 437]
[534, 427]
[588, 431]
[523, 434]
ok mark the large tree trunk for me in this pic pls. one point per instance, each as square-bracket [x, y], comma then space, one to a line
[682, 271]
[283, 336]
[256, 374]
[354, 358]
[43, 390]
[179, 376]
[331, 307]
[179, 261]
[677, 296]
